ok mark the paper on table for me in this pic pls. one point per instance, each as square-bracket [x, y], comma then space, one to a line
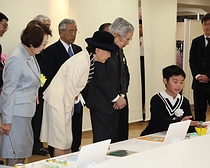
[153, 138]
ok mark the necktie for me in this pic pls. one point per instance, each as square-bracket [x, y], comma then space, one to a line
[208, 44]
[70, 52]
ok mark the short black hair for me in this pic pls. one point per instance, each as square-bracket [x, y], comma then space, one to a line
[3, 16]
[205, 18]
[103, 26]
[173, 70]
[140, 21]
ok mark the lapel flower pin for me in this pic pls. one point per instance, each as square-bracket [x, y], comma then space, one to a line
[179, 113]
[3, 58]
[43, 80]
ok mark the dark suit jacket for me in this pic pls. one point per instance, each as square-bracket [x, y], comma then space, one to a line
[109, 80]
[1, 70]
[54, 56]
[39, 58]
[200, 62]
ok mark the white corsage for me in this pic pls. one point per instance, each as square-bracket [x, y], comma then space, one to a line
[179, 113]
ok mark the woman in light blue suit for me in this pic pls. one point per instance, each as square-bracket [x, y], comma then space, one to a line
[21, 77]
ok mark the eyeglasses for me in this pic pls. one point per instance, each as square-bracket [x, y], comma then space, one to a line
[44, 44]
[72, 32]
[5, 26]
[206, 24]
[125, 39]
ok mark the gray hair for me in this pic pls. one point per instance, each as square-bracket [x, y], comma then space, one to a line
[41, 18]
[63, 24]
[121, 26]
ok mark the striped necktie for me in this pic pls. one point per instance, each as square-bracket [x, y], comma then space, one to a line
[70, 52]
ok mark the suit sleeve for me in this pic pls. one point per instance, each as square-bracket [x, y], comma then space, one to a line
[11, 76]
[126, 76]
[103, 83]
[193, 61]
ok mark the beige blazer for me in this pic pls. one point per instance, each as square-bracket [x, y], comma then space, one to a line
[69, 81]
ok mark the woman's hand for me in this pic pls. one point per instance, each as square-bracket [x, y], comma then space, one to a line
[5, 129]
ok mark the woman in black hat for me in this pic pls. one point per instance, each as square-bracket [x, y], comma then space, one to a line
[59, 97]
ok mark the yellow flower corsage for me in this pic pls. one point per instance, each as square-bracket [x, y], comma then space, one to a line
[43, 80]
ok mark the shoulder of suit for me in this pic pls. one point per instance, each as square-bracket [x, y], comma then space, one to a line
[78, 48]
[199, 37]
[75, 45]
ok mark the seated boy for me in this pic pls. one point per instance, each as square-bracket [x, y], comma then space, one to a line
[169, 106]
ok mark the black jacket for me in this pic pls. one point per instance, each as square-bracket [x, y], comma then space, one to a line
[110, 79]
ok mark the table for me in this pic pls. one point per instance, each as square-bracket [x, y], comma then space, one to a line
[136, 144]
[188, 153]
[191, 153]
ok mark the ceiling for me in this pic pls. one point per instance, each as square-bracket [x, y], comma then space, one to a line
[191, 7]
[186, 9]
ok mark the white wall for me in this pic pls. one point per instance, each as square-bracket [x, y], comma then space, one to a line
[22, 11]
[192, 29]
[180, 31]
[159, 26]
[88, 15]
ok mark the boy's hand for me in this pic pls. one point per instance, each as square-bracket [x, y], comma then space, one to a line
[186, 118]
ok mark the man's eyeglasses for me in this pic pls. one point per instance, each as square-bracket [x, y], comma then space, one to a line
[72, 32]
[206, 24]
[5, 26]
[125, 39]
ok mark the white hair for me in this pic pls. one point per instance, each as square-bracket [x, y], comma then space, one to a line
[121, 26]
[41, 18]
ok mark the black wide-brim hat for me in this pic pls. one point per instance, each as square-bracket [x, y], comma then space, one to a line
[103, 40]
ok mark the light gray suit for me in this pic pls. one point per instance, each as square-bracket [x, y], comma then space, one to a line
[21, 77]
[21, 82]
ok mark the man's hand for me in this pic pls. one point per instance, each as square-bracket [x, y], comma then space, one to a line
[203, 79]
[120, 103]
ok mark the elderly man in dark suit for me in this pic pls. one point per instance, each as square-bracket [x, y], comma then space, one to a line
[55, 55]
[200, 68]
[105, 94]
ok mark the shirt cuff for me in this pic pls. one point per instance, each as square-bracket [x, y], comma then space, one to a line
[196, 77]
[116, 98]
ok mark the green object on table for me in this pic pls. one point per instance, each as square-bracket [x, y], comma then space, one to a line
[201, 124]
